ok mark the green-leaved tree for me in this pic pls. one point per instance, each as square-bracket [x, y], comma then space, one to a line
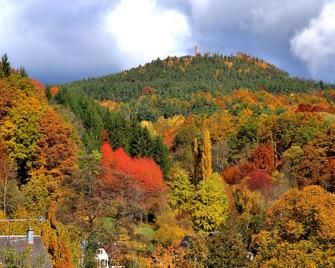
[210, 205]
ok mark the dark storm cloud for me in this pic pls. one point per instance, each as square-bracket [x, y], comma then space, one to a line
[66, 40]
[261, 28]
[60, 40]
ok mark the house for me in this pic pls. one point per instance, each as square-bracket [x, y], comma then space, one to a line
[29, 246]
[102, 258]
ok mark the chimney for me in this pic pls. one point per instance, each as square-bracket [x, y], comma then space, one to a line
[30, 236]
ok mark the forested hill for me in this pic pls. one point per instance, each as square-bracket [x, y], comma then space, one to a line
[179, 77]
[166, 87]
[234, 175]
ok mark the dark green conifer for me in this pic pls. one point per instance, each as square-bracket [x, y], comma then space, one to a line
[23, 72]
[5, 65]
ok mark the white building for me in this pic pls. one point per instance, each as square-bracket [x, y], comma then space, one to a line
[102, 258]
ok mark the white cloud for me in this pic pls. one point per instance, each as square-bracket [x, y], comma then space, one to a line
[6, 14]
[145, 31]
[57, 42]
[315, 44]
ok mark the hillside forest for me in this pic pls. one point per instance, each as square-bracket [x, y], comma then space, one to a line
[197, 161]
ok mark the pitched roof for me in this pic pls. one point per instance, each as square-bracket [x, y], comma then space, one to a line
[37, 253]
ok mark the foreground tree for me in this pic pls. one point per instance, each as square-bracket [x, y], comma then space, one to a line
[300, 231]
[210, 205]
[87, 199]
[181, 190]
[20, 134]
[226, 247]
[55, 152]
[10, 257]
[317, 163]
[9, 192]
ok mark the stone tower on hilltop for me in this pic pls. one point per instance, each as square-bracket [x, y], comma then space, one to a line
[196, 51]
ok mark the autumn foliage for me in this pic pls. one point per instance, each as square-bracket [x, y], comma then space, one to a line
[300, 230]
[55, 152]
[309, 108]
[54, 90]
[232, 175]
[258, 180]
[235, 174]
[147, 90]
[143, 171]
[275, 152]
[264, 158]
[37, 84]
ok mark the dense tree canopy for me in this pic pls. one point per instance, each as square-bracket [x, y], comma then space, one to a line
[200, 161]
[300, 230]
[121, 131]
[189, 84]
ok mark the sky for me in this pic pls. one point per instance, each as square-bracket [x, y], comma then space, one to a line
[60, 40]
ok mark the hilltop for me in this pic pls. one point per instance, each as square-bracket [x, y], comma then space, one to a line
[163, 87]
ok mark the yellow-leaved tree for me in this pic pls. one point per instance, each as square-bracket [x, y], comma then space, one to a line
[210, 204]
[206, 157]
[300, 231]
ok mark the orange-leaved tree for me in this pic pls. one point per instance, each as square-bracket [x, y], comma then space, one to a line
[143, 171]
[300, 231]
[264, 158]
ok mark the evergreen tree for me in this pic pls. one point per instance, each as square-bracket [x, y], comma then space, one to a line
[23, 72]
[47, 91]
[123, 132]
[5, 65]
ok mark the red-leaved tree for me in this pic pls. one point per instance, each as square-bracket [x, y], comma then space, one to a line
[264, 158]
[144, 171]
[258, 180]
[235, 174]
[232, 175]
